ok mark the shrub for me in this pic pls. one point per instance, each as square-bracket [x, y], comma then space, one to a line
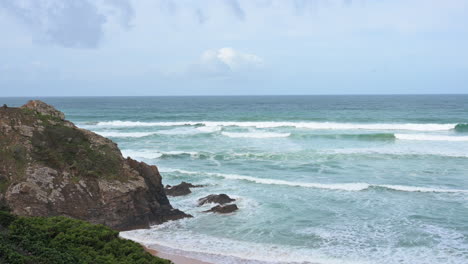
[59, 239]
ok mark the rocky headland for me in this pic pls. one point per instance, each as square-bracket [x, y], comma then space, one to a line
[50, 167]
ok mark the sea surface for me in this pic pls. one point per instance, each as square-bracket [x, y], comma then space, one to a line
[318, 179]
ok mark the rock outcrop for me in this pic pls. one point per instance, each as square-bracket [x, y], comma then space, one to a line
[224, 209]
[215, 198]
[50, 167]
[181, 189]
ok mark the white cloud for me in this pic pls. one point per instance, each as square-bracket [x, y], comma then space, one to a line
[229, 58]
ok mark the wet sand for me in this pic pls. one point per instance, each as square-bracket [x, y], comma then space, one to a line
[177, 259]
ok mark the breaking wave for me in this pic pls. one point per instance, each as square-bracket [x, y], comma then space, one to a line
[148, 154]
[328, 186]
[371, 137]
[307, 125]
[430, 137]
[255, 135]
[461, 127]
[124, 134]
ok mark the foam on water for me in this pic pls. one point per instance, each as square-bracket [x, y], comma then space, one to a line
[209, 129]
[308, 125]
[149, 154]
[124, 134]
[359, 186]
[419, 189]
[222, 250]
[430, 137]
[398, 152]
[178, 238]
[256, 134]
[146, 154]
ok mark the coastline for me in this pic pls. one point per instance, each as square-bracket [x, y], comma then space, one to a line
[177, 259]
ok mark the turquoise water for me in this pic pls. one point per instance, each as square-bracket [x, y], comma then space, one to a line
[318, 179]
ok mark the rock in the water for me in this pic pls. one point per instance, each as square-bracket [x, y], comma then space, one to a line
[181, 189]
[224, 209]
[50, 167]
[216, 198]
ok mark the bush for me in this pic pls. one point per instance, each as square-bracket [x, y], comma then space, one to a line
[57, 240]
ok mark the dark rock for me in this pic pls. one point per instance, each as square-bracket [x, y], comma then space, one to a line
[215, 198]
[181, 189]
[50, 167]
[224, 209]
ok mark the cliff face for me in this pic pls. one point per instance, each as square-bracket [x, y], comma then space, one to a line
[49, 167]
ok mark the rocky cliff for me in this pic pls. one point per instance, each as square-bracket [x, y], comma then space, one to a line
[50, 167]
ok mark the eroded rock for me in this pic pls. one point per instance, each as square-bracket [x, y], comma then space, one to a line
[181, 189]
[224, 209]
[40, 107]
[50, 167]
[215, 198]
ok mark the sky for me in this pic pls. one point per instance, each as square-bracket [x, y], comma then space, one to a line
[232, 47]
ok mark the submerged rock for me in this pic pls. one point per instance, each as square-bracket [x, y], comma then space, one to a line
[50, 167]
[215, 198]
[181, 189]
[224, 209]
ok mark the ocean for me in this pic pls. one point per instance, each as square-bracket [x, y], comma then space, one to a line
[318, 179]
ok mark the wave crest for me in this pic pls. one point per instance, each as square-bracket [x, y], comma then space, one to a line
[360, 186]
[255, 135]
[461, 127]
[273, 124]
[124, 134]
[430, 137]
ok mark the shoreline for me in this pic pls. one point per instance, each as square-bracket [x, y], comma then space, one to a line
[176, 259]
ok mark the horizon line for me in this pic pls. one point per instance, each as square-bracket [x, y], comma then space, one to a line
[239, 95]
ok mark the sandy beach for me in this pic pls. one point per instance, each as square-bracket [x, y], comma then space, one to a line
[177, 259]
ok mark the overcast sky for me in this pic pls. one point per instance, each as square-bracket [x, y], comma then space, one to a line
[227, 47]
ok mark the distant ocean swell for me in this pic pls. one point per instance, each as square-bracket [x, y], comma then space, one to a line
[363, 152]
[268, 134]
[274, 124]
[339, 186]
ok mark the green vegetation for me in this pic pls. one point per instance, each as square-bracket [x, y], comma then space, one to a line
[13, 157]
[55, 240]
[44, 118]
[62, 147]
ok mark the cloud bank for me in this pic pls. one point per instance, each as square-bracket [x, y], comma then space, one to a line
[244, 46]
[71, 24]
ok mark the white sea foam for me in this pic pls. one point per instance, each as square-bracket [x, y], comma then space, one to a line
[179, 131]
[209, 129]
[257, 134]
[124, 134]
[307, 125]
[118, 123]
[329, 186]
[419, 189]
[150, 154]
[400, 151]
[430, 137]
[173, 238]
[145, 154]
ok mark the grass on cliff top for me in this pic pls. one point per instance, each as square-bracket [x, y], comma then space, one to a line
[57, 240]
[66, 148]
[62, 147]
[57, 146]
